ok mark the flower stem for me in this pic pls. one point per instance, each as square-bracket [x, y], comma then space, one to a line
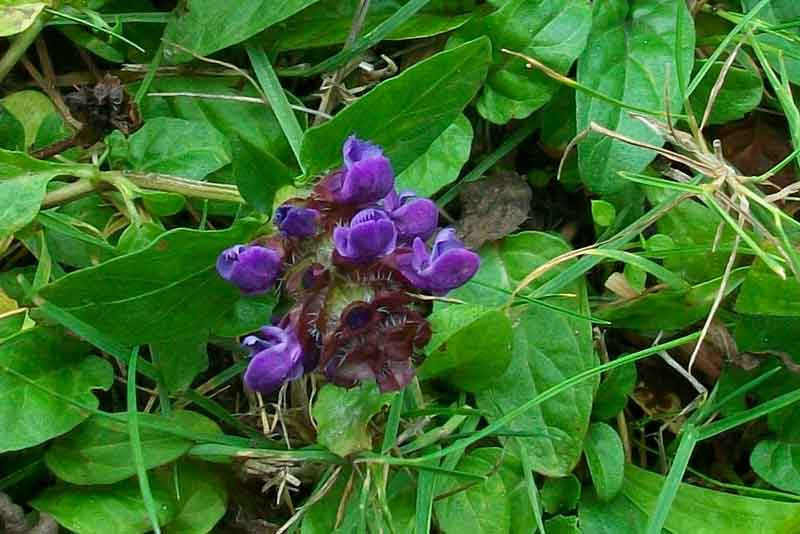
[183, 186]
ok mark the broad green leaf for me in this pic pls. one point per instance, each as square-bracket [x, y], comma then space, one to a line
[12, 133]
[551, 31]
[669, 309]
[560, 495]
[23, 184]
[632, 49]
[328, 22]
[30, 108]
[470, 347]
[703, 511]
[249, 313]
[549, 346]
[180, 360]
[321, 518]
[342, 416]
[404, 114]
[764, 293]
[483, 507]
[612, 393]
[99, 451]
[201, 500]
[117, 508]
[777, 462]
[191, 149]
[262, 159]
[755, 333]
[97, 43]
[205, 26]
[165, 291]
[18, 16]
[692, 226]
[740, 94]
[34, 365]
[561, 524]
[441, 164]
[606, 460]
[610, 517]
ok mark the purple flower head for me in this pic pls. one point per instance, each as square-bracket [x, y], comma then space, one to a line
[367, 175]
[295, 221]
[371, 234]
[413, 217]
[277, 358]
[449, 265]
[252, 268]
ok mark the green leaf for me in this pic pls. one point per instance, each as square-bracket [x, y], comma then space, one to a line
[202, 497]
[180, 360]
[560, 494]
[328, 22]
[262, 159]
[549, 346]
[23, 184]
[740, 94]
[191, 149]
[483, 507]
[606, 460]
[783, 47]
[702, 511]
[610, 517]
[631, 48]
[603, 213]
[668, 309]
[612, 394]
[205, 26]
[551, 31]
[249, 313]
[777, 462]
[404, 114]
[34, 365]
[102, 509]
[470, 347]
[441, 164]
[134, 302]
[764, 293]
[98, 44]
[562, 525]
[18, 16]
[12, 133]
[30, 108]
[99, 451]
[342, 416]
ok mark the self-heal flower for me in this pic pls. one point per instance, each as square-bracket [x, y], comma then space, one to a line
[252, 268]
[296, 221]
[367, 175]
[277, 358]
[449, 265]
[371, 235]
[413, 217]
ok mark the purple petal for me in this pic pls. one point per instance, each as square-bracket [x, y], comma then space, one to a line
[421, 258]
[452, 269]
[391, 201]
[294, 221]
[445, 240]
[372, 240]
[367, 176]
[417, 218]
[267, 373]
[253, 269]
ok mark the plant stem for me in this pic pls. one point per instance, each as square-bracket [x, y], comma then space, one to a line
[69, 192]
[19, 45]
[183, 186]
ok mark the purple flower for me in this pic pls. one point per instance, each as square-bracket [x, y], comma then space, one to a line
[277, 359]
[367, 175]
[295, 221]
[252, 268]
[413, 217]
[371, 234]
[449, 265]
